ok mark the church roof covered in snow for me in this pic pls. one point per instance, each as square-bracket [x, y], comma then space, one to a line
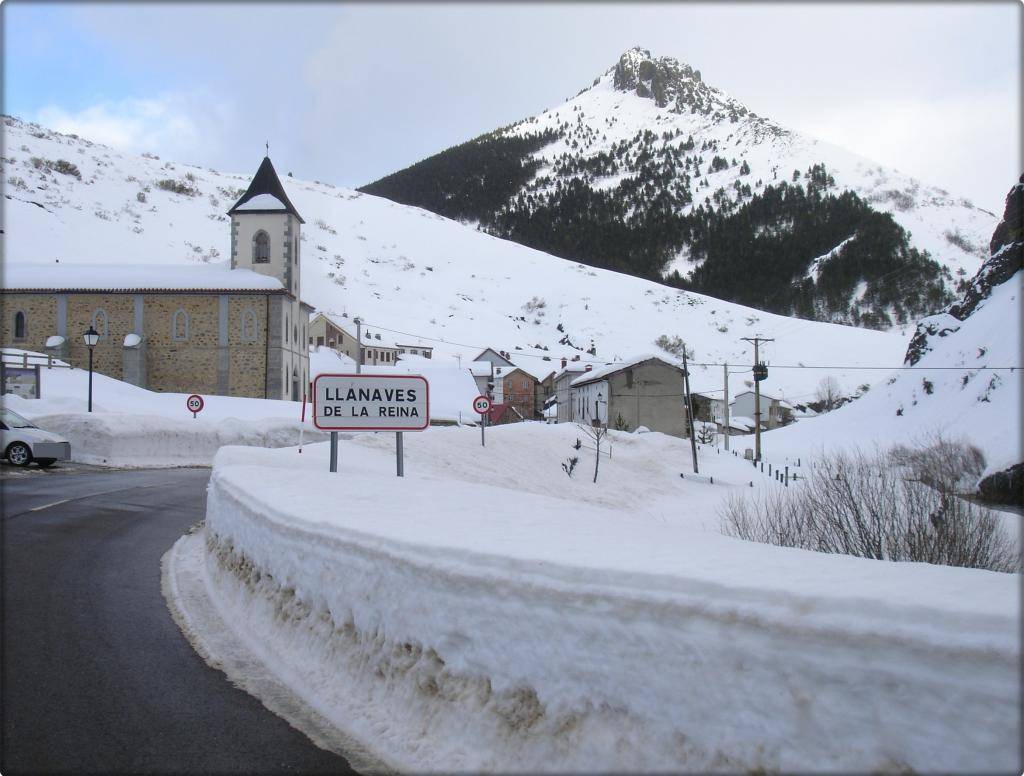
[161, 278]
[266, 194]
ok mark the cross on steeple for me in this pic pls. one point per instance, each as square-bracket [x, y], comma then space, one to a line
[268, 148]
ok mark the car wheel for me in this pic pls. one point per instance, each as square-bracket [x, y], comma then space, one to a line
[46, 463]
[19, 454]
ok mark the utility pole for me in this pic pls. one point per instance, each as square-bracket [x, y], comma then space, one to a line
[689, 412]
[760, 372]
[359, 346]
[725, 374]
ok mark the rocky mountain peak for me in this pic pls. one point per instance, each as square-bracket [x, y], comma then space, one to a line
[673, 85]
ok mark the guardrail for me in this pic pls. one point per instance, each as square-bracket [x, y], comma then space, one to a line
[26, 360]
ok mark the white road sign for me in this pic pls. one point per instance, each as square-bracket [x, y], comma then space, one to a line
[371, 402]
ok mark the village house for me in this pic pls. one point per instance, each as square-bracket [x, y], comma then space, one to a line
[518, 388]
[569, 371]
[645, 391]
[775, 412]
[238, 331]
[414, 348]
[378, 351]
[325, 331]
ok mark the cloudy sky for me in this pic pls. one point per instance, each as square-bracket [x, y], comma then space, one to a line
[347, 93]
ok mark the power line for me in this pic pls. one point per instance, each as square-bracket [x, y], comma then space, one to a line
[745, 367]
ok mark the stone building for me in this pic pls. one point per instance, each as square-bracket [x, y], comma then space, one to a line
[645, 391]
[238, 331]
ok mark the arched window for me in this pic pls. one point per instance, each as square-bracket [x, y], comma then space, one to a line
[286, 329]
[179, 325]
[248, 326]
[20, 327]
[261, 248]
[99, 322]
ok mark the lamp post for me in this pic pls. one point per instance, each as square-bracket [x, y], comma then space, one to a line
[91, 337]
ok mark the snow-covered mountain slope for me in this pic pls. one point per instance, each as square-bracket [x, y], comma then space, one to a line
[642, 170]
[401, 268]
[954, 387]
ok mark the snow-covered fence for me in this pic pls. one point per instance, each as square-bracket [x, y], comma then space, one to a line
[447, 629]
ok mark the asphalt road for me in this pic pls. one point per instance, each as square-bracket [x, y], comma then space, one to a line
[96, 676]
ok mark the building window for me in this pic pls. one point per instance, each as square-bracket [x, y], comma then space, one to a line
[99, 322]
[248, 326]
[179, 325]
[629, 378]
[261, 248]
[295, 334]
[20, 328]
[296, 251]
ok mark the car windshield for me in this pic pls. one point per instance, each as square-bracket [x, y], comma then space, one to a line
[14, 420]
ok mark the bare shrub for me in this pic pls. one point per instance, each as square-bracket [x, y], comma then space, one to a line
[859, 504]
[948, 465]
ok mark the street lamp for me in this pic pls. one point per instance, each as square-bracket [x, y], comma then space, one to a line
[91, 337]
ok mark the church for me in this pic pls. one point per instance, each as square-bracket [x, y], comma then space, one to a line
[232, 331]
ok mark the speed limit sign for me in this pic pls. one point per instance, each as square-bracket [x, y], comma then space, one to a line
[481, 404]
[195, 404]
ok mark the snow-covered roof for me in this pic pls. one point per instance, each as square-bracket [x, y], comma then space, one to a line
[266, 187]
[480, 368]
[135, 277]
[572, 368]
[263, 202]
[609, 369]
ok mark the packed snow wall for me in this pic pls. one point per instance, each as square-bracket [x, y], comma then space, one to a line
[439, 653]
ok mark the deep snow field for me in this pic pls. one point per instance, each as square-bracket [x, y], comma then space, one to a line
[487, 612]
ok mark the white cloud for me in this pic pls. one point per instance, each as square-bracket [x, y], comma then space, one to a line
[188, 128]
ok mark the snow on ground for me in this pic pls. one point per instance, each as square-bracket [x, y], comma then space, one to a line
[486, 612]
[950, 394]
[130, 426]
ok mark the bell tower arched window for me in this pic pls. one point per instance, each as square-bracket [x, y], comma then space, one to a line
[20, 329]
[261, 248]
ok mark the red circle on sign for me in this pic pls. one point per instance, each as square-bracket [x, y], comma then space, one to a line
[194, 403]
[481, 404]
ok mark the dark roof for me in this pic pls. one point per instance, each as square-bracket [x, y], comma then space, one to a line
[266, 182]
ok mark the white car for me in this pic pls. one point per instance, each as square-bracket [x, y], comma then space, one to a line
[23, 442]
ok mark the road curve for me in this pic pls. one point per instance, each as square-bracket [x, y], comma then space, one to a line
[96, 676]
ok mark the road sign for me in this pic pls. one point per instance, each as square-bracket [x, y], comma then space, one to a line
[481, 404]
[346, 402]
[195, 404]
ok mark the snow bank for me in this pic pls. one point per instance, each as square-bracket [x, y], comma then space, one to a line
[130, 426]
[466, 626]
[155, 440]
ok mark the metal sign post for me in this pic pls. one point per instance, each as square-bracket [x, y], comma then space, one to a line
[482, 405]
[347, 402]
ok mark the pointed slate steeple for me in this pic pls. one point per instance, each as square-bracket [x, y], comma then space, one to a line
[265, 194]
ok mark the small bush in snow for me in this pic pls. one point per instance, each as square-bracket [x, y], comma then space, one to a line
[141, 196]
[674, 345]
[536, 303]
[176, 187]
[863, 505]
[569, 465]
